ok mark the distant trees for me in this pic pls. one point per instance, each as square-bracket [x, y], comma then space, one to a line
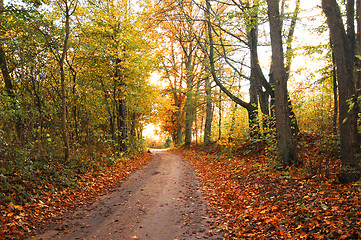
[120, 58]
[230, 43]
[223, 44]
[171, 113]
[176, 20]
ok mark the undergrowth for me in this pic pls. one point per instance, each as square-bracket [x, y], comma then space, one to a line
[36, 183]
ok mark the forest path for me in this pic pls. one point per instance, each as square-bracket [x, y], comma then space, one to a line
[160, 201]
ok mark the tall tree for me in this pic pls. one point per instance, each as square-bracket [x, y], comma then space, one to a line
[285, 144]
[3, 63]
[207, 139]
[252, 106]
[59, 46]
[176, 20]
[343, 44]
[358, 47]
[188, 50]
[174, 123]
[68, 8]
[9, 87]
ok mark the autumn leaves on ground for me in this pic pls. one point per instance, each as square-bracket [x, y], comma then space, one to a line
[48, 198]
[249, 195]
[255, 200]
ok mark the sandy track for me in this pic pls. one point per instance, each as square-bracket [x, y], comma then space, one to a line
[160, 201]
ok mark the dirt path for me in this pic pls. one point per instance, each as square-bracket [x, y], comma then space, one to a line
[160, 201]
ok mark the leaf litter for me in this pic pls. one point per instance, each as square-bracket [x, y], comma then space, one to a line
[21, 219]
[253, 200]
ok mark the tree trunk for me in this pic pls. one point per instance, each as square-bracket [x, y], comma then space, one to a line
[335, 93]
[233, 124]
[251, 109]
[64, 128]
[294, 124]
[220, 116]
[39, 105]
[358, 53]
[3, 63]
[121, 108]
[63, 114]
[133, 125]
[189, 105]
[179, 134]
[179, 129]
[348, 107]
[209, 113]
[5, 73]
[254, 84]
[177, 121]
[120, 125]
[9, 86]
[285, 145]
[289, 51]
[75, 108]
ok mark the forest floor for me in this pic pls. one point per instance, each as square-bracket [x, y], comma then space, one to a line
[255, 198]
[162, 200]
[219, 192]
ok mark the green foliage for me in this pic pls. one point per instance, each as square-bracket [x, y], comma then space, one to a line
[235, 125]
[269, 137]
[135, 146]
[314, 107]
[31, 147]
[167, 143]
[29, 172]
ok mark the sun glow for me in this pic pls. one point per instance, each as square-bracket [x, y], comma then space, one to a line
[150, 132]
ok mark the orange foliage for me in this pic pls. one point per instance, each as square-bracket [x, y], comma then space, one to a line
[171, 118]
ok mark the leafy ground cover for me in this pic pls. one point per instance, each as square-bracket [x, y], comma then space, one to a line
[256, 199]
[50, 198]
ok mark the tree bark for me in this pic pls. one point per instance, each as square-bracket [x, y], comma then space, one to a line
[122, 115]
[74, 107]
[122, 124]
[251, 108]
[189, 105]
[64, 128]
[178, 119]
[3, 63]
[5, 72]
[348, 107]
[335, 93]
[285, 144]
[358, 53]
[209, 113]
[254, 83]
[289, 51]
[220, 116]
[9, 88]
